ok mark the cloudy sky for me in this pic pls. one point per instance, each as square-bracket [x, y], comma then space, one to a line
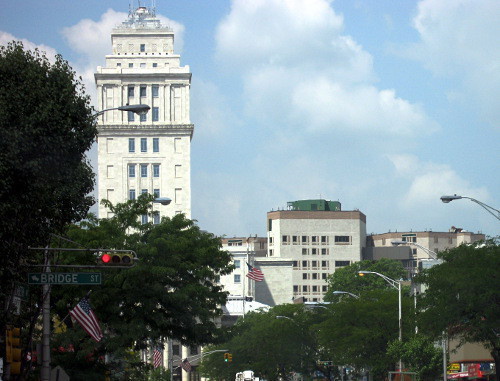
[384, 105]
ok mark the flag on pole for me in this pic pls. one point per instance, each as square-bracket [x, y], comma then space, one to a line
[255, 274]
[186, 365]
[84, 315]
[157, 357]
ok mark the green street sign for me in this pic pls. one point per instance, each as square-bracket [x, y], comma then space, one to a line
[64, 278]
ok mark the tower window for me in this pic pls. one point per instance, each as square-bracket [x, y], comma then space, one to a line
[156, 170]
[131, 170]
[131, 145]
[143, 47]
[154, 90]
[130, 116]
[144, 145]
[155, 114]
[156, 144]
[144, 170]
[130, 91]
[142, 91]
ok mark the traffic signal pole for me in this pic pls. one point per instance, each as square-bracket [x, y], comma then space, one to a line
[45, 371]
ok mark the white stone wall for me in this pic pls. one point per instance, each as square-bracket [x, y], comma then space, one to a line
[168, 120]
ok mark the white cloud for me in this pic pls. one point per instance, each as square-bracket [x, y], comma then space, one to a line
[460, 38]
[91, 39]
[429, 181]
[296, 64]
[50, 53]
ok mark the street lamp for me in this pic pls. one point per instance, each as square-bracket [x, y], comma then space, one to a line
[345, 292]
[162, 200]
[489, 209]
[429, 252]
[397, 285]
[136, 109]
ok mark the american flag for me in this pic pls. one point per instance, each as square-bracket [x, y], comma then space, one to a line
[84, 315]
[158, 357]
[186, 365]
[255, 274]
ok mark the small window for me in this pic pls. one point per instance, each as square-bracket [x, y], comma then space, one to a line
[324, 264]
[304, 276]
[142, 91]
[324, 288]
[304, 288]
[144, 145]
[324, 240]
[131, 65]
[156, 218]
[324, 251]
[144, 219]
[131, 170]
[324, 275]
[155, 115]
[118, 65]
[315, 275]
[156, 170]
[269, 224]
[271, 253]
[295, 263]
[176, 350]
[131, 116]
[342, 239]
[142, 117]
[131, 194]
[144, 170]
[156, 144]
[342, 263]
[237, 278]
[314, 239]
[131, 145]
[155, 64]
[295, 288]
[295, 240]
[314, 264]
[271, 241]
[144, 191]
[193, 350]
[304, 264]
[142, 47]
[156, 193]
[155, 91]
[142, 65]
[237, 263]
[285, 240]
[305, 239]
[314, 288]
[314, 251]
[305, 251]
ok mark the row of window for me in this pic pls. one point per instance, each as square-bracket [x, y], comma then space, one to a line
[312, 240]
[143, 170]
[142, 65]
[316, 264]
[132, 193]
[156, 218]
[144, 145]
[155, 115]
[155, 90]
[306, 288]
[314, 276]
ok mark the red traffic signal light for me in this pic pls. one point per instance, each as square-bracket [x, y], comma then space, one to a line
[117, 259]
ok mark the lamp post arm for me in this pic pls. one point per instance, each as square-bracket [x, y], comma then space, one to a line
[392, 282]
[488, 208]
[429, 252]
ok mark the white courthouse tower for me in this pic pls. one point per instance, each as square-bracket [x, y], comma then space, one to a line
[147, 153]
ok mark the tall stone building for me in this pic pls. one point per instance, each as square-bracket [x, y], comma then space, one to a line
[144, 153]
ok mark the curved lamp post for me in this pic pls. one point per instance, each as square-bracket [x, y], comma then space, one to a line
[345, 292]
[429, 252]
[489, 209]
[397, 285]
[136, 109]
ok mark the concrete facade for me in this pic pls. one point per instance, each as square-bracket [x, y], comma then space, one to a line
[316, 242]
[150, 153]
[435, 241]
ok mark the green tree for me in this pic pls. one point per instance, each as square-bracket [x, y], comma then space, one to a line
[272, 344]
[173, 291]
[462, 296]
[358, 331]
[420, 355]
[347, 278]
[47, 126]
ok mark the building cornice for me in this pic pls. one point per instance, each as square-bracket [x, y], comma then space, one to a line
[316, 215]
[140, 76]
[146, 129]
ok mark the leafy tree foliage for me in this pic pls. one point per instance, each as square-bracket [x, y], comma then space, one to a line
[47, 126]
[462, 297]
[272, 344]
[420, 355]
[357, 332]
[173, 290]
[347, 278]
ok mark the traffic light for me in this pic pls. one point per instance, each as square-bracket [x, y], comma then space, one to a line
[13, 349]
[117, 259]
[228, 357]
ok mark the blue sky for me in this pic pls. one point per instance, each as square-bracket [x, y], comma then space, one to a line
[382, 105]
